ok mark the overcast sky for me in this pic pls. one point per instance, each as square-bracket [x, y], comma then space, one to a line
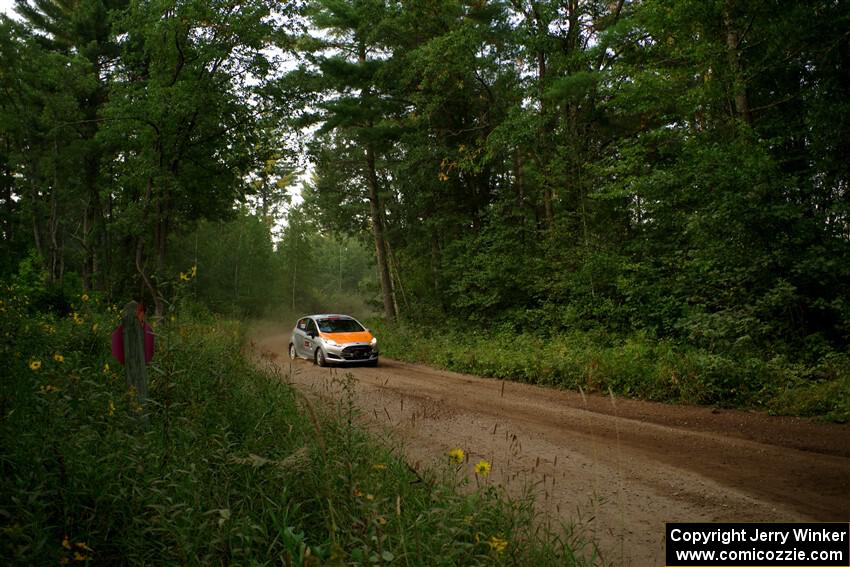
[6, 6]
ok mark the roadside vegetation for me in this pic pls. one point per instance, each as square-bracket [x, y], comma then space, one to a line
[637, 366]
[225, 464]
[646, 195]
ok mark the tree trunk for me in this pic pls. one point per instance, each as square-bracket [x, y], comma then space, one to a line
[159, 303]
[6, 180]
[92, 220]
[435, 263]
[377, 214]
[733, 53]
[519, 184]
[56, 262]
[36, 233]
[104, 274]
[545, 135]
[161, 231]
[88, 258]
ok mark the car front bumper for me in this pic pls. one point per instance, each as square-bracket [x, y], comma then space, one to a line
[350, 353]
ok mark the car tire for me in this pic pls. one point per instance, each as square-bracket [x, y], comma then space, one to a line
[320, 358]
[372, 363]
[292, 354]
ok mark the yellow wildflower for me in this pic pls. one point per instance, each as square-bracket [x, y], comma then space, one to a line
[456, 455]
[382, 520]
[110, 410]
[66, 542]
[482, 468]
[194, 271]
[370, 497]
[184, 277]
[94, 328]
[106, 368]
[35, 365]
[58, 357]
[49, 389]
[77, 319]
[379, 466]
[80, 557]
[82, 545]
[85, 298]
[498, 544]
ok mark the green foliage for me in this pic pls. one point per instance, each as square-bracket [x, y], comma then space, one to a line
[674, 170]
[664, 180]
[224, 464]
[130, 121]
[634, 366]
[323, 272]
[236, 270]
[234, 267]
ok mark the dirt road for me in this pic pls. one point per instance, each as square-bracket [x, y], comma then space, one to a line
[618, 468]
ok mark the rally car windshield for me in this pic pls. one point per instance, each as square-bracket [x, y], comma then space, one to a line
[339, 326]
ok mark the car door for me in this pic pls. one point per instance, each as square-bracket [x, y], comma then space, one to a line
[299, 335]
[308, 342]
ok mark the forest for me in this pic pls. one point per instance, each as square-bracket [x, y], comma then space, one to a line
[634, 198]
[662, 176]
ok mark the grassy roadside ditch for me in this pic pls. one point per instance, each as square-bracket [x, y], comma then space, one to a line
[229, 467]
[636, 367]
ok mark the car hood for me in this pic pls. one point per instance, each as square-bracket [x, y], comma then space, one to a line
[344, 338]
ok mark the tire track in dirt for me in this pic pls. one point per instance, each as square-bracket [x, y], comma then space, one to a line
[618, 469]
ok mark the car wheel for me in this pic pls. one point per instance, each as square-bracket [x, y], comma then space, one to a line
[372, 363]
[320, 358]
[292, 353]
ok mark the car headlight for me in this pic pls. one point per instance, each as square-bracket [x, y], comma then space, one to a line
[331, 342]
[374, 342]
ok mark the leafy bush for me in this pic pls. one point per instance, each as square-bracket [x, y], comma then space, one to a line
[637, 366]
[225, 464]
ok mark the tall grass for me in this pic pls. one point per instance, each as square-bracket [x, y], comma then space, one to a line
[229, 465]
[635, 366]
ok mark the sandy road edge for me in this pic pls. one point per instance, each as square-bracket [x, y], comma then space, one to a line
[628, 468]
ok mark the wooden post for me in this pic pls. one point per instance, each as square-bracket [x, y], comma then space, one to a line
[134, 353]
